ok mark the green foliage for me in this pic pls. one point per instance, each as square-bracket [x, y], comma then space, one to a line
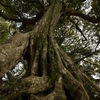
[4, 30]
[96, 7]
[75, 4]
[2, 97]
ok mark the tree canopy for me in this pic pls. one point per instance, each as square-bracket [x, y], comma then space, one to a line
[57, 41]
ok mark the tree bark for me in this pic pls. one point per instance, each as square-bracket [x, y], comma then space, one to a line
[12, 51]
[52, 75]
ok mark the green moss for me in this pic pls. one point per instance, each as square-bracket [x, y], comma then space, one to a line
[2, 97]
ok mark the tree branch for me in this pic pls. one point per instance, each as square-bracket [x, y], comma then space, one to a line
[77, 27]
[4, 5]
[25, 21]
[86, 56]
[71, 12]
[12, 51]
[31, 1]
[5, 16]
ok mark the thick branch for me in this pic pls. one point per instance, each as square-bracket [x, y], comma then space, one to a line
[71, 12]
[31, 1]
[5, 16]
[25, 21]
[12, 52]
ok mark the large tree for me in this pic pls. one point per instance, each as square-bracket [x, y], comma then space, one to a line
[50, 73]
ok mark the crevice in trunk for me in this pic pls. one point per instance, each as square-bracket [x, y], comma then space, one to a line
[22, 96]
[39, 66]
[69, 97]
[26, 56]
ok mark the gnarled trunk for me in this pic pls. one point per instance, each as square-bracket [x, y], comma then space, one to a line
[51, 74]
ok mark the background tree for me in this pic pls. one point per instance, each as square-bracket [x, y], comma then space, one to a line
[57, 43]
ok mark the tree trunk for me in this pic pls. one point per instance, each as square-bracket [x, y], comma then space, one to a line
[51, 74]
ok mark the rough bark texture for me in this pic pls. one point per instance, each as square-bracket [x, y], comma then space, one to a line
[51, 74]
[12, 52]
